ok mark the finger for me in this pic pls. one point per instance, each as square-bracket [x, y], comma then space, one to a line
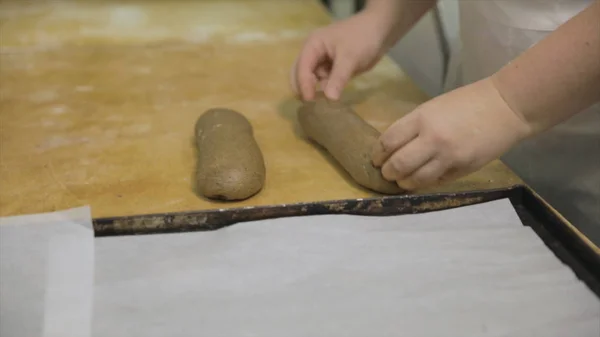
[407, 160]
[293, 79]
[397, 135]
[311, 56]
[342, 70]
[322, 84]
[429, 174]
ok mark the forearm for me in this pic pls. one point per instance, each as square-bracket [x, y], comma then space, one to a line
[559, 76]
[398, 16]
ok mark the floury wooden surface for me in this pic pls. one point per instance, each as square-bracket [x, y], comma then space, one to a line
[98, 103]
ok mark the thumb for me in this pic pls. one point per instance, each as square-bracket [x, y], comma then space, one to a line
[343, 68]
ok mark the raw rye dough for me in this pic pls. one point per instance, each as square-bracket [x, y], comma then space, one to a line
[230, 163]
[348, 138]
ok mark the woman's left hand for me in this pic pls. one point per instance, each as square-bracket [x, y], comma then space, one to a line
[449, 136]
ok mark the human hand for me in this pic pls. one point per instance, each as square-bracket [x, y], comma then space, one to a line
[449, 137]
[332, 55]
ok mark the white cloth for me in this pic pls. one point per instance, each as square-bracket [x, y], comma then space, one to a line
[562, 164]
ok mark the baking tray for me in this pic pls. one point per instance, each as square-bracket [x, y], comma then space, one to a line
[557, 234]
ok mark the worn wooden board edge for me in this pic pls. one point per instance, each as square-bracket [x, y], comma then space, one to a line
[213, 219]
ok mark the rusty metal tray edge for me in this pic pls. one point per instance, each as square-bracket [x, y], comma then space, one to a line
[558, 236]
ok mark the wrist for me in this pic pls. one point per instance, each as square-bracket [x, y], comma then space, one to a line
[510, 117]
[386, 16]
[557, 77]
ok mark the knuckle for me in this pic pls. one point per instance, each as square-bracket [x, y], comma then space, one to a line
[387, 142]
[436, 134]
[461, 157]
[398, 164]
[440, 138]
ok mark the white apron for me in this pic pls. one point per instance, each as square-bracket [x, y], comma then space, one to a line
[562, 164]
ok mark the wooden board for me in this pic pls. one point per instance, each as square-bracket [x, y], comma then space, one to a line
[98, 100]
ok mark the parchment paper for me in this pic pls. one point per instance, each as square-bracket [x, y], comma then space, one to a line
[471, 271]
[47, 274]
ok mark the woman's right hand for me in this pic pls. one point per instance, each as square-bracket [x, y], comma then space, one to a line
[332, 55]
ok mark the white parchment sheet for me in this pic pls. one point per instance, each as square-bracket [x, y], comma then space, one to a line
[471, 271]
[47, 274]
